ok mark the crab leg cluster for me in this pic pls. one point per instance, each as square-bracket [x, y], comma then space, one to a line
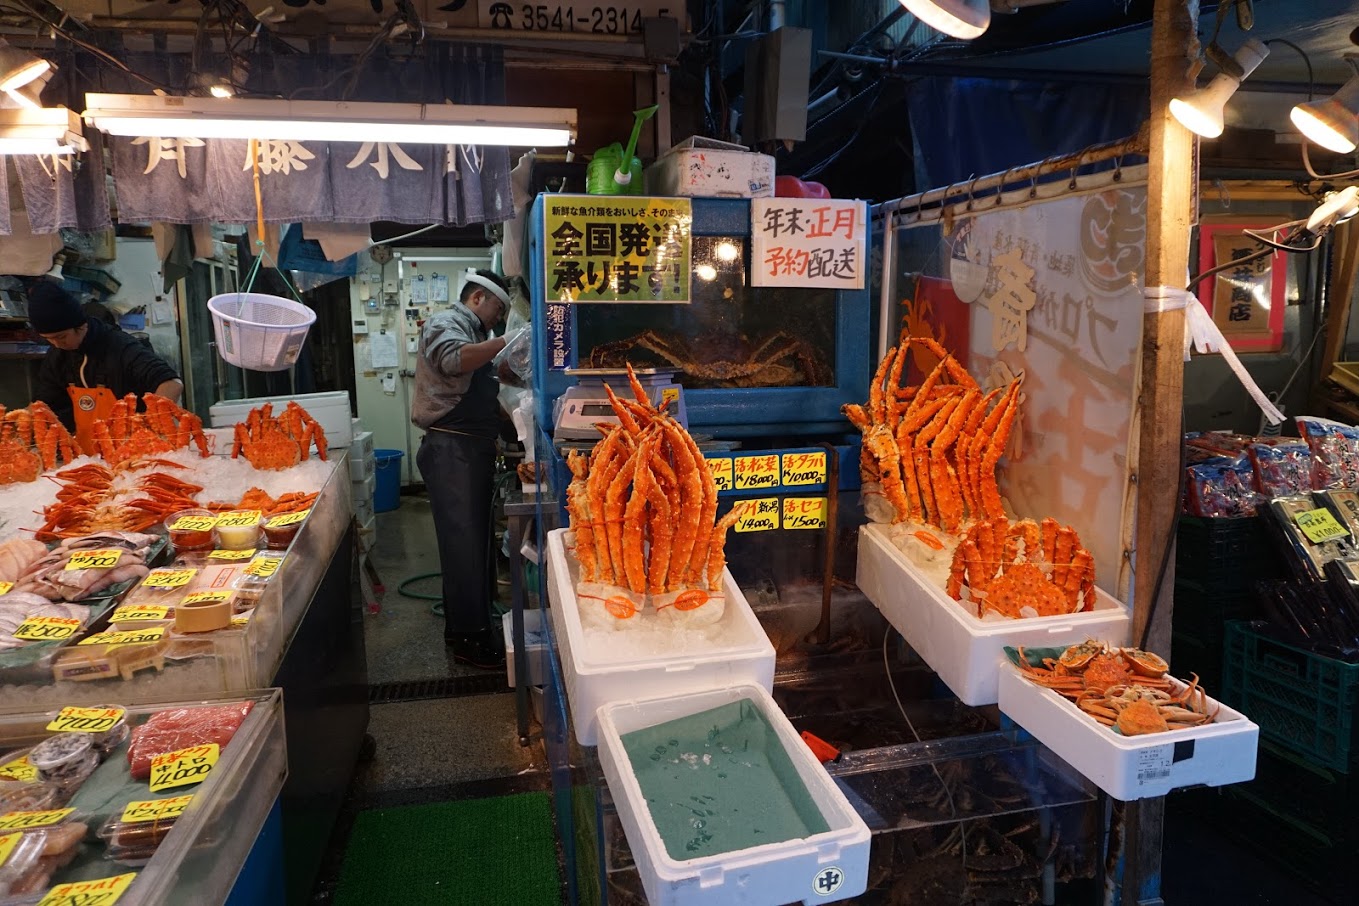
[128, 435]
[642, 505]
[1006, 567]
[935, 447]
[32, 440]
[95, 498]
[278, 442]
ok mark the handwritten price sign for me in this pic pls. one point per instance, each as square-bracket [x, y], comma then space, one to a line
[804, 512]
[757, 472]
[29, 820]
[104, 558]
[46, 629]
[239, 519]
[809, 242]
[758, 515]
[186, 766]
[232, 555]
[1320, 526]
[804, 468]
[263, 567]
[194, 524]
[5, 587]
[85, 720]
[145, 613]
[126, 637]
[720, 468]
[206, 597]
[287, 519]
[103, 892]
[169, 578]
[20, 769]
[156, 809]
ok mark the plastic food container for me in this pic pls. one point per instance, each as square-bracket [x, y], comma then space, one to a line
[114, 736]
[20, 870]
[237, 532]
[62, 756]
[255, 578]
[194, 532]
[134, 842]
[280, 530]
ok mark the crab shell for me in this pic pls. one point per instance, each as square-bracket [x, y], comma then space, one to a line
[1144, 663]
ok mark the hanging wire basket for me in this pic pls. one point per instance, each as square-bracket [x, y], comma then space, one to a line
[259, 331]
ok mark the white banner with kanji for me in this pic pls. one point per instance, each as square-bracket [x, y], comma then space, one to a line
[808, 242]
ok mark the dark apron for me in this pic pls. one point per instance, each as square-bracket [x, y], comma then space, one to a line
[478, 412]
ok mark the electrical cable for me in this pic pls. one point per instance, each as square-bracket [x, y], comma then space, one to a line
[401, 237]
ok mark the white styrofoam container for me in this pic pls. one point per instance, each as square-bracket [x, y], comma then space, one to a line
[821, 868]
[363, 512]
[1133, 767]
[361, 446]
[361, 469]
[536, 652]
[964, 650]
[330, 409]
[364, 490]
[745, 656]
[711, 172]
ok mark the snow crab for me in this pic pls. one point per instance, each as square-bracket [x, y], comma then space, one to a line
[128, 435]
[1007, 567]
[1137, 710]
[270, 442]
[32, 440]
[92, 500]
[778, 359]
[1093, 667]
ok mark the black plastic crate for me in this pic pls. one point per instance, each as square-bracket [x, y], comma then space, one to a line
[1222, 556]
[1190, 653]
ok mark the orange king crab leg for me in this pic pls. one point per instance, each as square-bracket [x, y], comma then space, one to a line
[578, 506]
[613, 517]
[606, 461]
[634, 516]
[942, 476]
[698, 559]
[990, 490]
[717, 556]
[691, 505]
[920, 458]
[662, 528]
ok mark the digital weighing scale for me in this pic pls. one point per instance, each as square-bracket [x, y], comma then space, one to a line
[585, 404]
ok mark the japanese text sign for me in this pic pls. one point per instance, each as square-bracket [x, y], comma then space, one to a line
[804, 469]
[761, 515]
[100, 892]
[757, 471]
[804, 512]
[582, 18]
[605, 249]
[186, 766]
[808, 242]
[1320, 526]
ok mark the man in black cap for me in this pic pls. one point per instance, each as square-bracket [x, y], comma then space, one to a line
[88, 356]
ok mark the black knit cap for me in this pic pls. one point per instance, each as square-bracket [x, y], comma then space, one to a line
[52, 309]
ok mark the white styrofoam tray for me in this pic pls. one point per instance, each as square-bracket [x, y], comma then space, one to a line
[821, 868]
[745, 655]
[364, 490]
[963, 649]
[360, 468]
[330, 409]
[535, 647]
[1133, 767]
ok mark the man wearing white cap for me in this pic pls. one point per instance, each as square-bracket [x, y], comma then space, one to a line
[456, 403]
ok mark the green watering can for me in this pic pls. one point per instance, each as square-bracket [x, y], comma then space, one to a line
[613, 170]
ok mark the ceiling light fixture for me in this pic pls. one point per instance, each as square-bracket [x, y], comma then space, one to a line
[19, 67]
[1201, 112]
[44, 130]
[1332, 123]
[966, 19]
[1337, 208]
[333, 121]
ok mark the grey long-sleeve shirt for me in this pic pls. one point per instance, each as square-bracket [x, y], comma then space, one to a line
[440, 382]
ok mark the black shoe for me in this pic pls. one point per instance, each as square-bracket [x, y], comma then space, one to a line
[478, 650]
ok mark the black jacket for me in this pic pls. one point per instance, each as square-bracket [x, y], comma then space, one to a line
[111, 359]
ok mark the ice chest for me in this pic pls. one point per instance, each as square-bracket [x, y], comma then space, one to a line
[330, 409]
[744, 654]
[820, 868]
[700, 167]
[964, 650]
[1133, 767]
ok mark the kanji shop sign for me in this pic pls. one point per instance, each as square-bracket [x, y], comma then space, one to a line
[809, 242]
[605, 249]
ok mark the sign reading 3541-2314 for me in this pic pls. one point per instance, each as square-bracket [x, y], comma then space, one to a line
[585, 17]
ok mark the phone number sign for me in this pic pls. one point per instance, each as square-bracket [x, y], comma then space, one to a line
[583, 18]
[603, 249]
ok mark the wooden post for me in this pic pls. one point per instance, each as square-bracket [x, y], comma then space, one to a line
[1171, 182]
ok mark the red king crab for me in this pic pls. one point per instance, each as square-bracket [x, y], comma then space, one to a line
[281, 442]
[1008, 567]
[128, 435]
[777, 359]
[32, 440]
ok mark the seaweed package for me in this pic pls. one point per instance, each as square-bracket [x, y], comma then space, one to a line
[1335, 452]
[1282, 468]
[1300, 527]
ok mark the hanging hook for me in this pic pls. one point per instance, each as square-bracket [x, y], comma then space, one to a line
[1118, 168]
[1000, 190]
[969, 191]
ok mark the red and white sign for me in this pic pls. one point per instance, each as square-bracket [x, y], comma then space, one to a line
[809, 242]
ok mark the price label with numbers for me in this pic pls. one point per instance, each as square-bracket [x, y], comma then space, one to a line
[287, 519]
[206, 597]
[232, 555]
[760, 515]
[101, 892]
[6, 587]
[7, 844]
[126, 637]
[14, 821]
[186, 766]
[47, 629]
[804, 468]
[804, 512]
[238, 519]
[104, 558]
[156, 809]
[240, 621]
[20, 769]
[86, 720]
[263, 567]
[197, 523]
[128, 614]
[757, 471]
[1320, 526]
[169, 578]
[720, 467]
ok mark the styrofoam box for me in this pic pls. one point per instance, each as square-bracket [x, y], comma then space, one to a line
[364, 513]
[361, 468]
[364, 490]
[1133, 767]
[537, 653]
[361, 446]
[744, 656]
[964, 650]
[821, 868]
[330, 409]
[727, 171]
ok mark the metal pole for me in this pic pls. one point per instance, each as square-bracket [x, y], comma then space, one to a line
[886, 302]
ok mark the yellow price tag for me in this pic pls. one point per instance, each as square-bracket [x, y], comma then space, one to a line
[241, 621]
[263, 567]
[86, 720]
[757, 472]
[758, 515]
[804, 512]
[169, 578]
[156, 809]
[232, 555]
[28, 820]
[1320, 526]
[804, 468]
[206, 597]
[20, 769]
[104, 558]
[6, 587]
[103, 892]
[669, 395]
[721, 470]
[287, 519]
[186, 766]
[127, 614]
[126, 637]
[238, 519]
[7, 844]
[194, 524]
[46, 629]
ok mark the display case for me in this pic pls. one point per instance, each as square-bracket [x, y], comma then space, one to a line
[201, 856]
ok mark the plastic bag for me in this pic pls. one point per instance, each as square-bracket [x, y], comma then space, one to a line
[1282, 468]
[1221, 487]
[514, 362]
[180, 728]
[1335, 452]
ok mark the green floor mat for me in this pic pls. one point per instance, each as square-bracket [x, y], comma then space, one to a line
[492, 851]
